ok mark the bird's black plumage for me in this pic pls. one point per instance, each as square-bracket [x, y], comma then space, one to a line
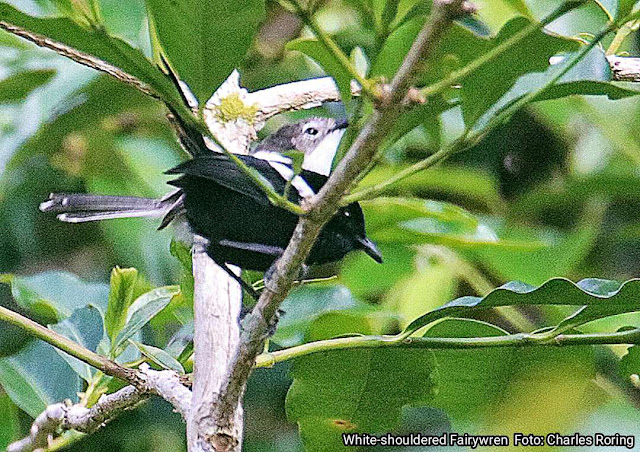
[243, 228]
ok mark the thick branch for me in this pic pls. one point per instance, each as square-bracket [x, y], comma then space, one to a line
[325, 204]
[217, 304]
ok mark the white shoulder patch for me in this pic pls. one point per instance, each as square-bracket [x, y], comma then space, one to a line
[301, 185]
[272, 157]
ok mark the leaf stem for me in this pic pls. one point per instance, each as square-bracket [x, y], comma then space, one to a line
[511, 340]
[332, 47]
[624, 31]
[68, 346]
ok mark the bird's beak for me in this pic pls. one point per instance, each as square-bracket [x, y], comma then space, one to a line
[371, 249]
[341, 123]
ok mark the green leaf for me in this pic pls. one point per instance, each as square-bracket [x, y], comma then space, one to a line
[479, 387]
[610, 296]
[558, 254]
[520, 6]
[84, 327]
[472, 185]
[10, 425]
[18, 86]
[37, 377]
[121, 295]
[56, 294]
[470, 381]
[205, 40]
[590, 76]
[368, 279]
[427, 288]
[141, 311]
[305, 304]
[98, 43]
[490, 81]
[315, 50]
[159, 356]
[390, 57]
[414, 221]
[389, 13]
[182, 252]
[625, 7]
[364, 393]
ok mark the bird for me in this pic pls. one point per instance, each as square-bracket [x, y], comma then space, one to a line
[222, 204]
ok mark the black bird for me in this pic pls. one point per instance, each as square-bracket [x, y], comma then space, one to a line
[224, 205]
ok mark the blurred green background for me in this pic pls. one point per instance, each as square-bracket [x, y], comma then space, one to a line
[555, 192]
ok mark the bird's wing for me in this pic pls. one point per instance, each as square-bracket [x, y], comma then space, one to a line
[270, 250]
[221, 170]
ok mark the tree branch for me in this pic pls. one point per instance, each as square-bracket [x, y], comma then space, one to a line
[323, 206]
[67, 345]
[624, 69]
[399, 341]
[64, 416]
[80, 57]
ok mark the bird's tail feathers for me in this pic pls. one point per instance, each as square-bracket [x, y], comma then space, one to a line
[80, 208]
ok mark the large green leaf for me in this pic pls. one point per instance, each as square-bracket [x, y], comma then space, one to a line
[476, 387]
[141, 311]
[16, 87]
[56, 294]
[590, 76]
[95, 42]
[368, 279]
[487, 84]
[364, 393]
[205, 39]
[84, 327]
[559, 254]
[483, 85]
[472, 185]
[414, 221]
[430, 286]
[610, 296]
[37, 377]
[469, 381]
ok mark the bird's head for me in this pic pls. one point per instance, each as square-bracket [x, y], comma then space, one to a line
[318, 138]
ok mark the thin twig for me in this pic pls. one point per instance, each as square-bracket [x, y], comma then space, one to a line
[67, 345]
[510, 340]
[80, 57]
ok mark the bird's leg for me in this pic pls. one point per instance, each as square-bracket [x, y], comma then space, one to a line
[245, 285]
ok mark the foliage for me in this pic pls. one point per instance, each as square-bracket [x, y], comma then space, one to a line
[531, 203]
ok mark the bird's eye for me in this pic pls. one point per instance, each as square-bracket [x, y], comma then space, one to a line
[311, 131]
